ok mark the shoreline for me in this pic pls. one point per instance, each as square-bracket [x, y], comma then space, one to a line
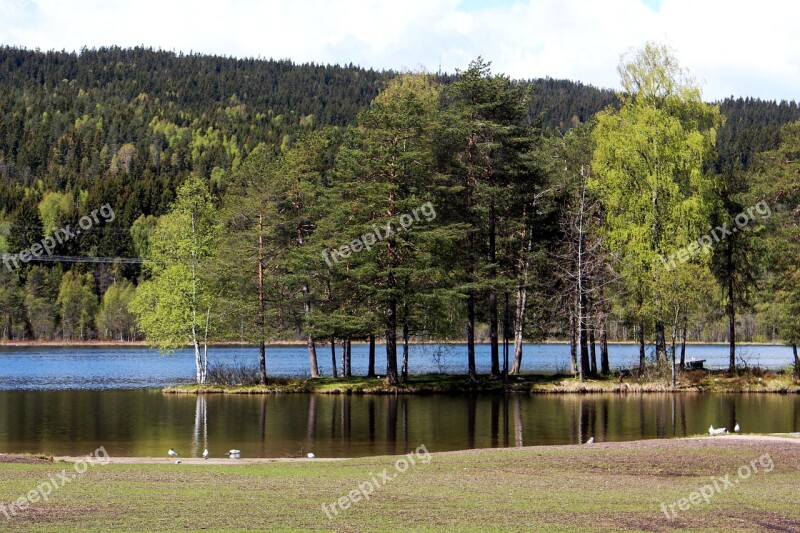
[697, 381]
[793, 438]
[300, 343]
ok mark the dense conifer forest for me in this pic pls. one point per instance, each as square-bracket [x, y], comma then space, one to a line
[276, 158]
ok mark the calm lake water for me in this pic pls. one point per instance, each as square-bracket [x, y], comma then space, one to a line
[39, 368]
[69, 401]
[147, 423]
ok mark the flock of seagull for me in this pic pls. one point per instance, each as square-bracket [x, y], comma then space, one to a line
[711, 431]
[720, 431]
[237, 454]
[233, 454]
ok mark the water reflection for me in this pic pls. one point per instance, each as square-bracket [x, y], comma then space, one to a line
[146, 423]
[200, 436]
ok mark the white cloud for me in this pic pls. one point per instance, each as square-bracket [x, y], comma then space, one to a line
[736, 47]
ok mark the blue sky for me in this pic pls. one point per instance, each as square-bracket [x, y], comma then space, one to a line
[655, 5]
[733, 47]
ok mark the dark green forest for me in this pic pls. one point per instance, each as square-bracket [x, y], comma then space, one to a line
[274, 162]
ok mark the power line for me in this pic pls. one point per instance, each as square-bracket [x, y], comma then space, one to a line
[77, 259]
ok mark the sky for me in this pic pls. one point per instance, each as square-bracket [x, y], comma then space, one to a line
[732, 47]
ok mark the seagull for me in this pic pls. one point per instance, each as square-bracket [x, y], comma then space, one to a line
[736, 428]
[311, 455]
[205, 453]
[172, 453]
[234, 454]
[590, 441]
[178, 462]
[718, 431]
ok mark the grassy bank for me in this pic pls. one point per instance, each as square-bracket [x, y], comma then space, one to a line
[615, 486]
[694, 381]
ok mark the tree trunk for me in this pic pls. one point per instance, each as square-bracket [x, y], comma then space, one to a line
[333, 356]
[391, 317]
[672, 349]
[683, 341]
[371, 362]
[642, 357]
[731, 319]
[343, 368]
[312, 356]
[198, 362]
[493, 321]
[506, 320]
[519, 328]
[661, 342]
[605, 368]
[261, 318]
[404, 371]
[349, 358]
[391, 336]
[522, 299]
[592, 351]
[573, 342]
[262, 362]
[584, 363]
[312, 349]
[796, 361]
[473, 376]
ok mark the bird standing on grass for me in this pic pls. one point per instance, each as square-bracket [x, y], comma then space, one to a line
[718, 431]
[311, 455]
[736, 428]
[205, 453]
[172, 453]
[233, 454]
[590, 441]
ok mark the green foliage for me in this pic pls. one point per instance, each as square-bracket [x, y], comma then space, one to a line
[77, 305]
[650, 166]
[114, 318]
[776, 184]
[52, 207]
[173, 307]
[322, 158]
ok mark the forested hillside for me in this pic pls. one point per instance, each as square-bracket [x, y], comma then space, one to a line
[124, 128]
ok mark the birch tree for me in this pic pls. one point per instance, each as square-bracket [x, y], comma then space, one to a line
[650, 165]
[174, 306]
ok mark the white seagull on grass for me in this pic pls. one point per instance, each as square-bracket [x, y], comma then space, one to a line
[234, 454]
[205, 453]
[590, 441]
[172, 453]
[718, 431]
[736, 428]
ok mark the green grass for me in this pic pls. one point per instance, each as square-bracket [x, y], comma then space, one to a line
[565, 488]
[694, 381]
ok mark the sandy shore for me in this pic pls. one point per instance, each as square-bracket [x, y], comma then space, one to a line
[793, 438]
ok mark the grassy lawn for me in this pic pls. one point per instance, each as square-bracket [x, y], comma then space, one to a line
[618, 486]
[691, 381]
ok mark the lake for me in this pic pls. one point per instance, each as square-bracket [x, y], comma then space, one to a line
[70, 401]
[40, 368]
[145, 422]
